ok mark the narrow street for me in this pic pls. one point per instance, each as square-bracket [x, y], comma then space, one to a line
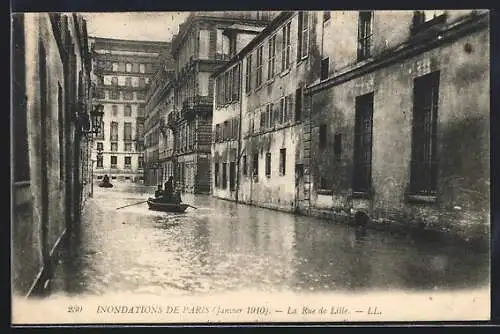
[221, 246]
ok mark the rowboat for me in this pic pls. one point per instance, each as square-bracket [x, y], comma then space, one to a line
[105, 185]
[157, 205]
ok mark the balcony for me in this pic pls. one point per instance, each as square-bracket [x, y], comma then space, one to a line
[197, 105]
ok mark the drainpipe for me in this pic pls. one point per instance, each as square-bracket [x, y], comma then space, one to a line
[238, 157]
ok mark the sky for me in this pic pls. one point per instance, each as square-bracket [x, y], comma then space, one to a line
[150, 26]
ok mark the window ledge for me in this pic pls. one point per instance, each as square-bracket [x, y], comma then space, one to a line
[324, 192]
[302, 60]
[285, 72]
[430, 199]
[361, 195]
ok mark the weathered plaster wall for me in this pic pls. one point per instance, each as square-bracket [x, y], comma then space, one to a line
[463, 136]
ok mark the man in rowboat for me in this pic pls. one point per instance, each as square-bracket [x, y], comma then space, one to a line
[159, 192]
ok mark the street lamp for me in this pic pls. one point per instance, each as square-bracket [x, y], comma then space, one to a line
[92, 126]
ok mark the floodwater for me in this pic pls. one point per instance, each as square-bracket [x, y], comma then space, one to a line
[225, 247]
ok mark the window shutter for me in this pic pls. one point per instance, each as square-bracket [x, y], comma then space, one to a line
[278, 115]
[289, 109]
[299, 35]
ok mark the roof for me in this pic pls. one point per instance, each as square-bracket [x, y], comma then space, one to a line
[282, 17]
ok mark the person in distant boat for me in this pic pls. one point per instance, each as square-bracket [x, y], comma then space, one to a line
[159, 191]
[105, 179]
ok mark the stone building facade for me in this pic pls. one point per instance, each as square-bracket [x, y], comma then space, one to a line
[159, 139]
[379, 114]
[256, 163]
[124, 69]
[399, 118]
[206, 40]
[51, 97]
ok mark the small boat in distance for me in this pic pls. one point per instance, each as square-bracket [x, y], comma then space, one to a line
[158, 205]
[105, 182]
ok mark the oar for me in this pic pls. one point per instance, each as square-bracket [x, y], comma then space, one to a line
[121, 207]
[189, 205]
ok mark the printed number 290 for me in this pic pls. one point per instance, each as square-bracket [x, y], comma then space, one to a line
[75, 308]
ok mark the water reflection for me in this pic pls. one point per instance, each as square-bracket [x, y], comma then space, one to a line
[223, 246]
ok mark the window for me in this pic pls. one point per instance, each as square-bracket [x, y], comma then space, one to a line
[99, 162]
[142, 68]
[325, 62]
[224, 175]
[115, 67]
[100, 135]
[248, 74]
[114, 110]
[269, 116]
[232, 175]
[325, 182]
[114, 130]
[303, 36]
[285, 47]
[282, 110]
[114, 147]
[121, 67]
[298, 104]
[217, 133]
[140, 112]
[268, 164]
[222, 46]
[337, 146]
[204, 43]
[100, 146]
[128, 95]
[216, 174]
[115, 94]
[282, 161]
[128, 162]
[424, 19]
[142, 82]
[363, 143]
[140, 162]
[236, 83]
[128, 81]
[326, 15]
[364, 34]
[244, 165]
[322, 136]
[114, 81]
[127, 110]
[127, 131]
[114, 161]
[259, 66]
[128, 67]
[128, 147]
[271, 57]
[139, 95]
[255, 165]
[423, 179]
[225, 130]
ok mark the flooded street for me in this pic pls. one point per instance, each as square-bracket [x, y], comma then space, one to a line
[221, 247]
